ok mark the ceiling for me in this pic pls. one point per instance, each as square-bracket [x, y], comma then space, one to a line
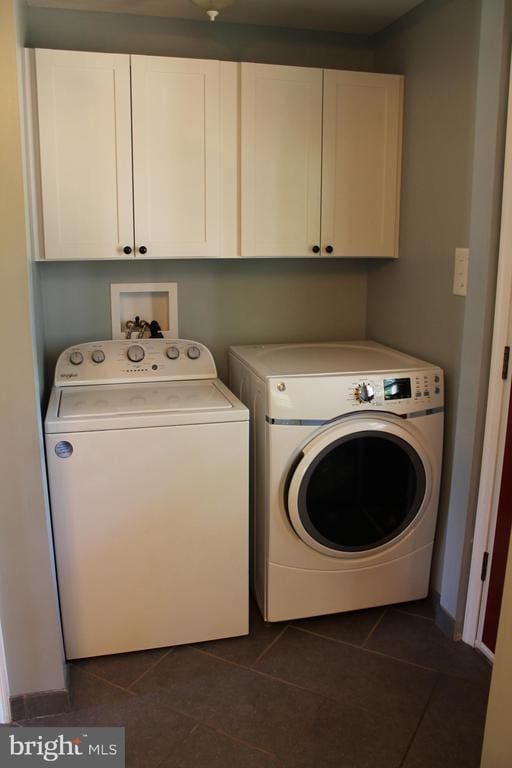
[349, 16]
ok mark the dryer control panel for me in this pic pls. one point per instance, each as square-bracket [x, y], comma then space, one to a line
[322, 398]
[416, 388]
[125, 361]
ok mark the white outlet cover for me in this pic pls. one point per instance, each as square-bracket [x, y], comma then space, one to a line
[150, 301]
[460, 271]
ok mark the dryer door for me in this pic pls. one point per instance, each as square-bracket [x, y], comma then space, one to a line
[359, 486]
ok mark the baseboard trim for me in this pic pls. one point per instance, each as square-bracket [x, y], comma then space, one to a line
[29, 705]
[446, 623]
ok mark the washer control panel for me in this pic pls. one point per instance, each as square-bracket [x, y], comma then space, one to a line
[123, 361]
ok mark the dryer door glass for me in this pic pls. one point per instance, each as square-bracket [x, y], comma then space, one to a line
[361, 491]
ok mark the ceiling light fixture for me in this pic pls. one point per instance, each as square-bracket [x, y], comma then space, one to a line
[212, 7]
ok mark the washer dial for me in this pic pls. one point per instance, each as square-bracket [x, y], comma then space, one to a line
[193, 352]
[98, 356]
[135, 353]
[76, 358]
[172, 353]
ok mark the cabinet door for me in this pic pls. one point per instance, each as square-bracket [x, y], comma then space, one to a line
[85, 148]
[177, 158]
[281, 139]
[362, 138]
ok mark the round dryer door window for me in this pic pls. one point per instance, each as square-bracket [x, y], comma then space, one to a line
[358, 486]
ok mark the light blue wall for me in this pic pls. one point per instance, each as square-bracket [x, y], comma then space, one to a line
[220, 302]
[410, 302]
[487, 169]
[124, 33]
[454, 54]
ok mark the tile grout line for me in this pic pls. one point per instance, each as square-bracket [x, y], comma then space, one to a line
[370, 650]
[151, 666]
[198, 721]
[325, 637]
[242, 741]
[96, 677]
[180, 742]
[410, 613]
[282, 681]
[413, 736]
[269, 646]
[372, 630]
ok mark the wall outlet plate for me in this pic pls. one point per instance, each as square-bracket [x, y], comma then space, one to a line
[150, 301]
[460, 271]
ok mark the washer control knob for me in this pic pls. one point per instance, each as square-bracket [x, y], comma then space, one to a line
[172, 353]
[76, 358]
[135, 353]
[193, 353]
[365, 393]
[98, 356]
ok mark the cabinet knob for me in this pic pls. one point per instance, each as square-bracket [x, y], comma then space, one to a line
[127, 249]
[316, 249]
[329, 249]
[143, 249]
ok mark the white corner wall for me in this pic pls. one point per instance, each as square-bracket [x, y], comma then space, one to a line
[28, 604]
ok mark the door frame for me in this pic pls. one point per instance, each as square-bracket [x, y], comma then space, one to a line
[496, 417]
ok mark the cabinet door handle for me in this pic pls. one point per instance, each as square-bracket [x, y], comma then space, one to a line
[329, 249]
[316, 249]
[143, 249]
[127, 249]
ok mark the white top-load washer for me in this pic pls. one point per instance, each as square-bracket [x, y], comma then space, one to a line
[346, 461]
[147, 455]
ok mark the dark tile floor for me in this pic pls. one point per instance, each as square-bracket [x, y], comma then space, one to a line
[381, 688]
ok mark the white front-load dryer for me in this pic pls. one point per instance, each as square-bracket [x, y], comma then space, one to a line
[346, 453]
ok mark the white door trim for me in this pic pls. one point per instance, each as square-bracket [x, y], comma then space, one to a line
[5, 707]
[496, 416]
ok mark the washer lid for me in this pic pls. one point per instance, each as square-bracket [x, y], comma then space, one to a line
[131, 399]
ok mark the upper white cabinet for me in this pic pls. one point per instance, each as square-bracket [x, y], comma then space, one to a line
[281, 152]
[362, 141]
[176, 150]
[178, 118]
[320, 167]
[159, 157]
[83, 105]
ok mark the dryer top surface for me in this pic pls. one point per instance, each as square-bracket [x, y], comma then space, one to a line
[358, 357]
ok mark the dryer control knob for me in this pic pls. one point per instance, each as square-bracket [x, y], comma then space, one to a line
[365, 393]
[193, 353]
[172, 353]
[76, 358]
[135, 353]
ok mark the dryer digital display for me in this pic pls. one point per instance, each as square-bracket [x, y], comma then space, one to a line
[397, 389]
